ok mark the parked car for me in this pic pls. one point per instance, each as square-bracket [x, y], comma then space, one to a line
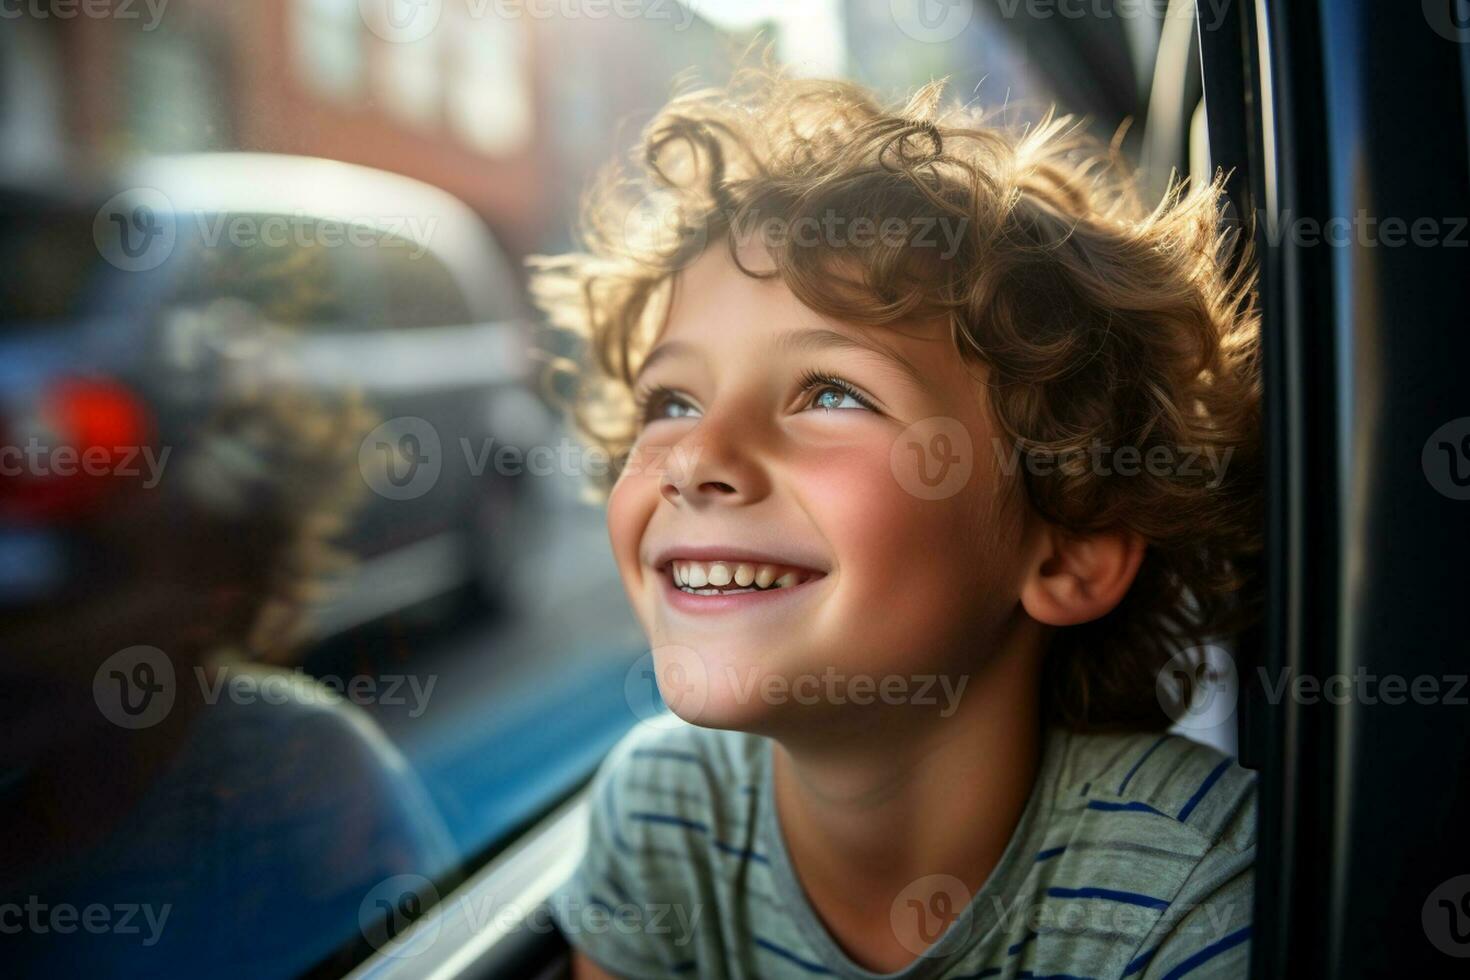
[210, 283]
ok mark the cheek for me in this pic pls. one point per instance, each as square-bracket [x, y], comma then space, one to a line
[629, 507]
[906, 556]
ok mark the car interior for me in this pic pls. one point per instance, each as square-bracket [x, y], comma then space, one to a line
[1341, 127]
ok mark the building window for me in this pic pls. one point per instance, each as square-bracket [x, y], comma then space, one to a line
[175, 95]
[489, 103]
[411, 83]
[327, 37]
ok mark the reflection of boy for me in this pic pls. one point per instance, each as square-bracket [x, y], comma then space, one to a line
[172, 821]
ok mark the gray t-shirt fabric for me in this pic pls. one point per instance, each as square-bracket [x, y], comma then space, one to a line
[1133, 858]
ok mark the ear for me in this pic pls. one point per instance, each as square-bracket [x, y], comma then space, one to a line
[1078, 578]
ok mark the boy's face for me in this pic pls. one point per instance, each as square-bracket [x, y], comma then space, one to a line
[744, 457]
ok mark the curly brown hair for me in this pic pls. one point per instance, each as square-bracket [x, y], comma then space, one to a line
[1101, 322]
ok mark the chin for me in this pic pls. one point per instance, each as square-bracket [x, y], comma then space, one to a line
[715, 689]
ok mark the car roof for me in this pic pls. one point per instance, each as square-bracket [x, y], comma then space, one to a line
[256, 181]
[274, 183]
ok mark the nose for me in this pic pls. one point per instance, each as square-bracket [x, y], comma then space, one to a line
[708, 489]
[713, 465]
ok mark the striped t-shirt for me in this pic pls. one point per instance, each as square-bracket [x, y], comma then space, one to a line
[1133, 858]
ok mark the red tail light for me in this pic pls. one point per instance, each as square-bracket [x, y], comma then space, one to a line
[85, 438]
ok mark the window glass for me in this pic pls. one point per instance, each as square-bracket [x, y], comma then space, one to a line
[416, 287]
[334, 620]
[327, 43]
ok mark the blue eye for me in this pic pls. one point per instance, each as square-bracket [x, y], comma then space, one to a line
[672, 408]
[660, 404]
[827, 392]
[835, 398]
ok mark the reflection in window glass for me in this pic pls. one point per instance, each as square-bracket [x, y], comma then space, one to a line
[388, 622]
[488, 103]
[327, 38]
[411, 79]
[173, 93]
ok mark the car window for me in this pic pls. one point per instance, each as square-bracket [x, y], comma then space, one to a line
[331, 622]
[256, 258]
[416, 288]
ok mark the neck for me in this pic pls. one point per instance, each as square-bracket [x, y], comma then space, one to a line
[868, 812]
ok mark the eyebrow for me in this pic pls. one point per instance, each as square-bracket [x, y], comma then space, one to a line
[667, 349]
[822, 339]
[803, 341]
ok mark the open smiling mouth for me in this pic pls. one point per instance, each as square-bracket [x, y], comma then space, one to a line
[726, 578]
[732, 578]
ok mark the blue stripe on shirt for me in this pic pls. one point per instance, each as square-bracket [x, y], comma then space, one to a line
[1141, 759]
[742, 852]
[1124, 898]
[1139, 962]
[1133, 806]
[787, 954]
[669, 754]
[676, 821]
[617, 889]
[1204, 788]
[670, 819]
[1209, 953]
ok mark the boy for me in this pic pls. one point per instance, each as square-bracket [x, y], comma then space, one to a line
[910, 408]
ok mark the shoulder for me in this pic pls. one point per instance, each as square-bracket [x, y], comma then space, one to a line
[1152, 837]
[1194, 786]
[668, 824]
[323, 750]
[317, 736]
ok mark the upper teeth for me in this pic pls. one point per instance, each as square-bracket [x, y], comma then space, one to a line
[702, 574]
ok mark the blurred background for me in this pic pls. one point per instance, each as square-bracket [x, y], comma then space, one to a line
[301, 591]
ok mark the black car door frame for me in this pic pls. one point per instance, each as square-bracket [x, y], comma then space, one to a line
[1355, 110]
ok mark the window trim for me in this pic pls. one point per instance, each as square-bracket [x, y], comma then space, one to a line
[504, 894]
